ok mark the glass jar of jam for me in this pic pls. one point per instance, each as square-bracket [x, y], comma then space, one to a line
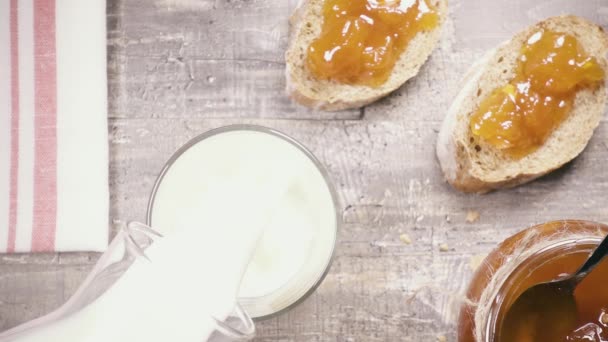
[538, 254]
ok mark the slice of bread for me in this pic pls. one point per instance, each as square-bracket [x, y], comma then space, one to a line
[471, 165]
[304, 88]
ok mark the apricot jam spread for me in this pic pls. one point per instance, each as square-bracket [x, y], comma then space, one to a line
[361, 40]
[519, 117]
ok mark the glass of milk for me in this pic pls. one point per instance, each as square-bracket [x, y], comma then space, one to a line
[296, 246]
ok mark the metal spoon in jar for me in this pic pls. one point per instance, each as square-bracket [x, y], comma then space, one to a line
[547, 311]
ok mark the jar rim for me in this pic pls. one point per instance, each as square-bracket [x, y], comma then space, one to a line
[573, 245]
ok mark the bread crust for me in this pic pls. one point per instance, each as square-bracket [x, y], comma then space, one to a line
[300, 93]
[454, 155]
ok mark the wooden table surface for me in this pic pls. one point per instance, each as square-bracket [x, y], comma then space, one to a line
[178, 68]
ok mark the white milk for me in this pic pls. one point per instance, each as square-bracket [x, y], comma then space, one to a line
[296, 245]
[196, 270]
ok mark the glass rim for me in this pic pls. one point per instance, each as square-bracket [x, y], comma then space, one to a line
[319, 166]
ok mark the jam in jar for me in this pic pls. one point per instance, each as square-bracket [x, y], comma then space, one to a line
[539, 254]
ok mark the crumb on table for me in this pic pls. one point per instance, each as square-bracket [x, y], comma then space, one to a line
[405, 239]
[444, 247]
[472, 216]
[442, 338]
[476, 260]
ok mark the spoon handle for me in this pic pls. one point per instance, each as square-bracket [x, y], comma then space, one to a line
[600, 252]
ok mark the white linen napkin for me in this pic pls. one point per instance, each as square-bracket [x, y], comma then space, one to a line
[53, 126]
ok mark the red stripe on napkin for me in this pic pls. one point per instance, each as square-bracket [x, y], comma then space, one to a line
[45, 165]
[14, 170]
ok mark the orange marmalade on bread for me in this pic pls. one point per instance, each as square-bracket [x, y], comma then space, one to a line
[519, 117]
[362, 40]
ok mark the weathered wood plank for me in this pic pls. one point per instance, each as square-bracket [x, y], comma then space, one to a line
[178, 68]
[202, 59]
[33, 285]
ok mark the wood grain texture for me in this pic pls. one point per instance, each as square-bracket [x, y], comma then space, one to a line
[179, 68]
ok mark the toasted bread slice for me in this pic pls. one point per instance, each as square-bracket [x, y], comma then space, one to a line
[471, 165]
[303, 87]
